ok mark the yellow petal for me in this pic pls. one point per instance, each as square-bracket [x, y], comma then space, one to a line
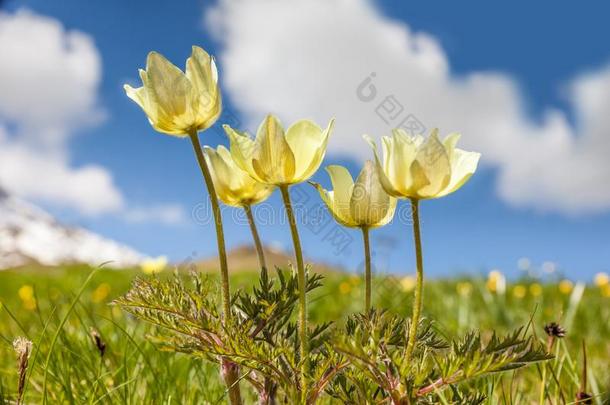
[233, 185]
[431, 169]
[369, 203]
[399, 152]
[383, 176]
[169, 88]
[308, 144]
[449, 143]
[463, 166]
[388, 215]
[203, 75]
[337, 201]
[244, 189]
[221, 174]
[242, 149]
[272, 158]
[343, 185]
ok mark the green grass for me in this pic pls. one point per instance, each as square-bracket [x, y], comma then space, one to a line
[133, 371]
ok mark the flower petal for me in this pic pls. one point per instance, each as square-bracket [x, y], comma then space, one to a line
[308, 143]
[431, 170]
[242, 148]
[463, 166]
[272, 159]
[383, 176]
[201, 72]
[369, 203]
[169, 88]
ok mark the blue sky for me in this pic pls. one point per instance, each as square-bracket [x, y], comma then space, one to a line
[542, 47]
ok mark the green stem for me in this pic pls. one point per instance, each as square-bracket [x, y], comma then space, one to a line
[229, 370]
[367, 269]
[419, 286]
[255, 236]
[301, 279]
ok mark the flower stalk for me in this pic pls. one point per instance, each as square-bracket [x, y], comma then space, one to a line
[301, 282]
[419, 283]
[367, 269]
[256, 237]
[229, 370]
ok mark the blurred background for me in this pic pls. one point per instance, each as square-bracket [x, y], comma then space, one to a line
[84, 177]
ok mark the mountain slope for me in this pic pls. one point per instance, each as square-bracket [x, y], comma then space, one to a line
[28, 234]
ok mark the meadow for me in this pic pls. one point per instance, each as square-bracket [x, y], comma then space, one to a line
[62, 311]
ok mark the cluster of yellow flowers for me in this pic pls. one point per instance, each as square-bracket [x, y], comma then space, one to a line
[413, 167]
[178, 103]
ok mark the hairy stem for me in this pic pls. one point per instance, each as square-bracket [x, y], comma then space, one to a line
[301, 279]
[419, 286]
[255, 236]
[229, 370]
[367, 269]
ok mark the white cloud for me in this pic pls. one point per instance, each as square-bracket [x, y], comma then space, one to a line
[41, 175]
[169, 214]
[302, 58]
[48, 89]
[49, 79]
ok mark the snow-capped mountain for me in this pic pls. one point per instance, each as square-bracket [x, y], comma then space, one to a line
[28, 234]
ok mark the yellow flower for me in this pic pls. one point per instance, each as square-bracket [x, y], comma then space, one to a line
[234, 186]
[601, 279]
[26, 292]
[100, 293]
[565, 286]
[153, 265]
[408, 283]
[519, 291]
[496, 282]
[606, 290]
[276, 158]
[345, 288]
[418, 168]
[536, 289]
[464, 288]
[177, 102]
[359, 204]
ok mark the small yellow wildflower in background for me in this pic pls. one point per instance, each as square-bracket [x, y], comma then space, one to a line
[154, 265]
[606, 290]
[601, 279]
[536, 289]
[100, 293]
[566, 287]
[345, 288]
[496, 282]
[519, 291]
[408, 283]
[26, 294]
[464, 288]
